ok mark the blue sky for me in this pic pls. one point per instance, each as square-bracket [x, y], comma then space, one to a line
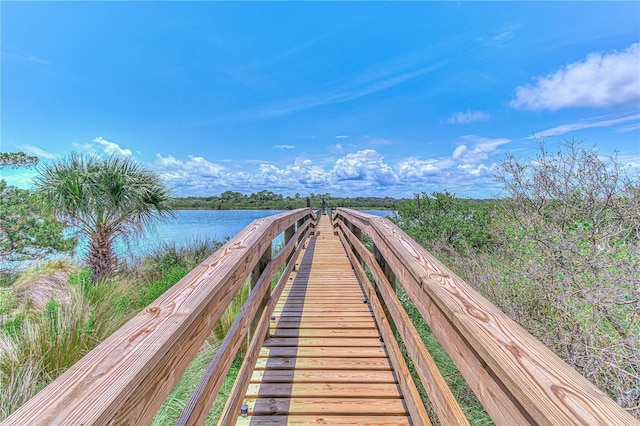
[358, 98]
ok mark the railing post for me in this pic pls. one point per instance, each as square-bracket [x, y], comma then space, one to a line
[388, 272]
[390, 276]
[253, 280]
[288, 233]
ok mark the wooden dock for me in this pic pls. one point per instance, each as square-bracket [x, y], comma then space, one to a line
[324, 361]
[324, 341]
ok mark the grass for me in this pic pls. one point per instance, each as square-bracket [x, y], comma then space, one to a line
[37, 345]
[472, 408]
[52, 315]
[177, 399]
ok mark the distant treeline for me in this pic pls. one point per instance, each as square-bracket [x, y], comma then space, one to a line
[267, 200]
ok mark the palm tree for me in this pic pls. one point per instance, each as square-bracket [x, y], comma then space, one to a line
[104, 199]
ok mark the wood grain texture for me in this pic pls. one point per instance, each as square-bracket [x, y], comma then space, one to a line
[126, 378]
[301, 420]
[516, 378]
[412, 397]
[323, 359]
[442, 400]
[203, 397]
[232, 406]
[326, 406]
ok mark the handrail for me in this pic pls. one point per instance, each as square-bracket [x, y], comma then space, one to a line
[517, 379]
[126, 378]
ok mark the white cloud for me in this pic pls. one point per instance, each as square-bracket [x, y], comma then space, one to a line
[467, 117]
[479, 150]
[500, 39]
[112, 148]
[601, 80]
[342, 136]
[283, 146]
[101, 146]
[627, 129]
[414, 169]
[194, 166]
[467, 171]
[365, 165]
[601, 121]
[38, 152]
[478, 170]
[29, 58]
[336, 148]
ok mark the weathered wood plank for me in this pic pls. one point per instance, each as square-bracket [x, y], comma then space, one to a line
[302, 420]
[323, 390]
[328, 406]
[324, 332]
[323, 376]
[334, 363]
[365, 352]
[323, 323]
[352, 342]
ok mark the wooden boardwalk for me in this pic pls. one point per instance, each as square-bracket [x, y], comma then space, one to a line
[324, 361]
[315, 354]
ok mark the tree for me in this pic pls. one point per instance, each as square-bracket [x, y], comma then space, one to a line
[105, 199]
[27, 230]
[17, 159]
[443, 219]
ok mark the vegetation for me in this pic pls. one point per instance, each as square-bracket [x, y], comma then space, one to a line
[27, 230]
[267, 200]
[559, 254]
[17, 159]
[54, 315]
[104, 199]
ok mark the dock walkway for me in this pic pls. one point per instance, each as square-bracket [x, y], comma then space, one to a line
[324, 359]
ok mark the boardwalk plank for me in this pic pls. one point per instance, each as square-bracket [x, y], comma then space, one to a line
[323, 361]
[329, 406]
[337, 363]
[299, 420]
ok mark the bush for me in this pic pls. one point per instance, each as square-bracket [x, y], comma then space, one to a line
[562, 257]
[442, 220]
[570, 261]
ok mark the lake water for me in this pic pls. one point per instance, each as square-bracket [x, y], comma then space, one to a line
[193, 225]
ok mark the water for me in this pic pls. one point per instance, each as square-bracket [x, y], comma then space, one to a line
[189, 226]
[186, 227]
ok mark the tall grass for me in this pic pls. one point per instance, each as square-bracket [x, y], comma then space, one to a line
[37, 346]
[48, 323]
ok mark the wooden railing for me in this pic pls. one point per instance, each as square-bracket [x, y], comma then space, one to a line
[516, 378]
[126, 378]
